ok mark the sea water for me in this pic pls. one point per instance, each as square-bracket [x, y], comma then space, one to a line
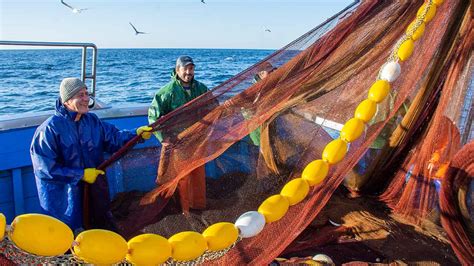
[29, 79]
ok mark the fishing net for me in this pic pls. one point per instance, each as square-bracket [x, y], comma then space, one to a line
[410, 156]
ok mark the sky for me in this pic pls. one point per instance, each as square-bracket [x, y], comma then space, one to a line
[170, 23]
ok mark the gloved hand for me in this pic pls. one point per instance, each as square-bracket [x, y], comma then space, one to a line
[144, 131]
[90, 175]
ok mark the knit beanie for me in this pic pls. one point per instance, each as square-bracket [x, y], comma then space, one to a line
[69, 87]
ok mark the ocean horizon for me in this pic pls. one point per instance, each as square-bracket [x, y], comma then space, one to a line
[30, 78]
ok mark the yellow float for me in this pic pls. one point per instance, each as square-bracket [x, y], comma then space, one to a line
[220, 236]
[274, 207]
[41, 234]
[406, 49]
[187, 245]
[378, 91]
[352, 130]
[148, 249]
[366, 110]
[315, 172]
[335, 151]
[429, 15]
[295, 190]
[3, 225]
[415, 33]
[98, 246]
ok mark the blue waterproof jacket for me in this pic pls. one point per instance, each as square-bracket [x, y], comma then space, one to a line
[60, 151]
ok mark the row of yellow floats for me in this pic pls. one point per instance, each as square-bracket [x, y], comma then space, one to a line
[46, 236]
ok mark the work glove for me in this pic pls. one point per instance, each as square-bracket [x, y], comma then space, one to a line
[144, 131]
[90, 175]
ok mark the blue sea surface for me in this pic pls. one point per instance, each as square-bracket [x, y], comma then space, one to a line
[29, 79]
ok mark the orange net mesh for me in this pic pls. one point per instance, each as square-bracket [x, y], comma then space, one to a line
[319, 81]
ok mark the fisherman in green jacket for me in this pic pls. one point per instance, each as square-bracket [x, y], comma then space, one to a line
[181, 89]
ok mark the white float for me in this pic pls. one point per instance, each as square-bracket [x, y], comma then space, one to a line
[390, 71]
[250, 224]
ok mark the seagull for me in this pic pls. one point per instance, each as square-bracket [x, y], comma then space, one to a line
[202, 1]
[74, 10]
[268, 30]
[135, 29]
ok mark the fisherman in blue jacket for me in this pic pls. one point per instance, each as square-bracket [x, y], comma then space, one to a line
[67, 148]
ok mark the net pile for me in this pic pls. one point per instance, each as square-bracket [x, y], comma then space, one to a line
[413, 155]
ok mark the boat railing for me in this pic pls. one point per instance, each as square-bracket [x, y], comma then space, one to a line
[85, 46]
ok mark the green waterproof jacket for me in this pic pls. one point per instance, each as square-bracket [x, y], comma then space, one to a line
[172, 96]
[254, 135]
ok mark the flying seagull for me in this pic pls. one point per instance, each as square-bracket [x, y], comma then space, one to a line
[268, 30]
[74, 10]
[135, 29]
[202, 1]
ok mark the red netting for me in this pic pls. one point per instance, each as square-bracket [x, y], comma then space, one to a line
[319, 81]
[430, 179]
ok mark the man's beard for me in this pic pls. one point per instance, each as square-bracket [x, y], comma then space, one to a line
[191, 77]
